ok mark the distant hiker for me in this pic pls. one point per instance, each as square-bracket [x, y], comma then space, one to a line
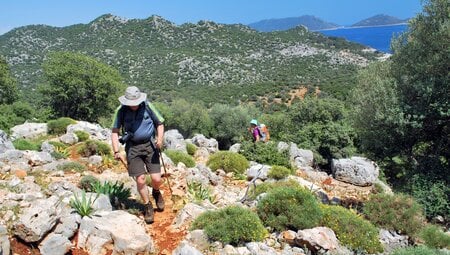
[265, 135]
[138, 120]
[256, 133]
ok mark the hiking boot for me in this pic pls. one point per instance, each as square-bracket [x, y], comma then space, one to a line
[159, 200]
[148, 213]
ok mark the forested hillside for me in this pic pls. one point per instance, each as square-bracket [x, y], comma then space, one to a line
[192, 60]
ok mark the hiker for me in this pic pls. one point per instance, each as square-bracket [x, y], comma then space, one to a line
[138, 120]
[265, 135]
[256, 133]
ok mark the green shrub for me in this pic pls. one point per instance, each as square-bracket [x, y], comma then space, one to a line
[59, 126]
[279, 172]
[434, 237]
[266, 186]
[432, 195]
[82, 135]
[94, 147]
[289, 208]
[58, 144]
[179, 156]
[397, 212]
[113, 190]
[25, 144]
[233, 224]
[191, 149]
[230, 162]
[351, 229]
[83, 206]
[420, 250]
[87, 182]
[265, 153]
[71, 167]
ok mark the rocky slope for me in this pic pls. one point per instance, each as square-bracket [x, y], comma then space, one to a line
[171, 60]
[35, 195]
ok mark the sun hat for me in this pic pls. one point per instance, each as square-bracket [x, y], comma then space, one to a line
[254, 122]
[132, 97]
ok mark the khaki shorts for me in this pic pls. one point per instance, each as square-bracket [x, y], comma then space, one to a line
[142, 159]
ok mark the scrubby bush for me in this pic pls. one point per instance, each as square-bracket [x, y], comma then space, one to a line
[266, 186]
[25, 144]
[71, 167]
[233, 224]
[94, 147]
[191, 149]
[351, 229]
[289, 208]
[82, 135]
[396, 212]
[434, 237]
[179, 156]
[59, 126]
[87, 182]
[279, 172]
[228, 161]
[265, 153]
[420, 250]
[432, 194]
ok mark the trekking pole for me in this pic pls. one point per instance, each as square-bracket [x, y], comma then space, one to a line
[165, 170]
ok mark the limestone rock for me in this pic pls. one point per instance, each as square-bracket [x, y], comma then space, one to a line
[258, 170]
[69, 138]
[94, 130]
[391, 240]
[173, 140]
[55, 244]
[319, 238]
[184, 248]
[5, 246]
[187, 214]
[28, 130]
[235, 147]
[201, 141]
[38, 219]
[124, 231]
[5, 143]
[355, 170]
[300, 157]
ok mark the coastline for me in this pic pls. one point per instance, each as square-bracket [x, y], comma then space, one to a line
[344, 27]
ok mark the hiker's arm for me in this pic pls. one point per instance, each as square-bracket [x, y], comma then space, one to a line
[115, 142]
[159, 136]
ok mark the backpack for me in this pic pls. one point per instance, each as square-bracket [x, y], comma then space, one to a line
[121, 117]
[264, 132]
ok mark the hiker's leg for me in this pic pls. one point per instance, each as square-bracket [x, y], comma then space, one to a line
[156, 180]
[142, 188]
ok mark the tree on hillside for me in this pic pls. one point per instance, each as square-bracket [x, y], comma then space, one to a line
[376, 114]
[420, 65]
[8, 85]
[80, 87]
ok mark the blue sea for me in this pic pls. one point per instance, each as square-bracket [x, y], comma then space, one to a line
[376, 37]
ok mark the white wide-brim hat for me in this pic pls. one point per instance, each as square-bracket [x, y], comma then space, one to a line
[132, 97]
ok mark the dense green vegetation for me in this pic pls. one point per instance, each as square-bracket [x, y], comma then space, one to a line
[213, 79]
[204, 61]
[80, 87]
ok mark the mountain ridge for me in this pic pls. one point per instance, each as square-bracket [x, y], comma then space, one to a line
[309, 21]
[168, 59]
[379, 20]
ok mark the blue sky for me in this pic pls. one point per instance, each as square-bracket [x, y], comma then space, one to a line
[16, 13]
